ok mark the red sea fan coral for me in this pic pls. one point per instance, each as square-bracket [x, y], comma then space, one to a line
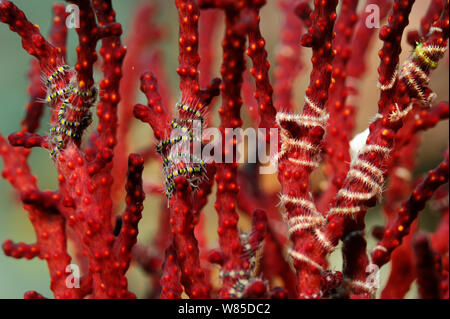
[292, 233]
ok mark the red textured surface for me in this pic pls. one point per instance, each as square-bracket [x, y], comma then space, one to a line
[293, 177]
[285, 253]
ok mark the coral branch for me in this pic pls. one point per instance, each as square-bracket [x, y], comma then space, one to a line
[233, 66]
[328, 178]
[20, 250]
[32, 40]
[27, 140]
[88, 35]
[189, 59]
[341, 121]
[208, 26]
[113, 53]
[144, 35]
[49, 227]
[181, 215]
[364, 180]
[153, 113]
[260, 70]
[35, 108]
[363, 34]
[184, 241]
